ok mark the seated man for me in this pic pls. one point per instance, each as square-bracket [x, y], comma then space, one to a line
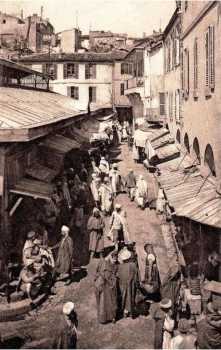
[26, 254]
[28, 281]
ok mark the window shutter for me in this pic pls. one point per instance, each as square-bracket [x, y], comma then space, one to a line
[207, 58]
[211, 57]
[65, 70]
[182, 70]
[76, 70]
[69, 91]
[188, 71]
[177, 44]
[195, 61]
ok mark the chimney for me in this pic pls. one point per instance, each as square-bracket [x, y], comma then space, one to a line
[42, 11]
[22, 14]
[144, 35]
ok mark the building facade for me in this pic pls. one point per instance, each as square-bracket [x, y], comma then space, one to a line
[68, 40]
[145, 88]
[89, 78]
[18, 35]
[201, 72]
[172, 74]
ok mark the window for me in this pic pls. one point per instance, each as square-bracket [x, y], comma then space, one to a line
[4, 21]
[162, 103]
[90, 71]
[122, 89]
[171, 106]
[186, 70]
[185, 5]
[75, 92]
[168, 55]
[177, 105]
[92, 94]
[123, 68]
[177, 48]
[126, 68]
[71, 70]
[210, 60]
[140, 69]
[195, 65]
[50, 69]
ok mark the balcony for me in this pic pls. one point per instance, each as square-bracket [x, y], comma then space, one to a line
[135, 85]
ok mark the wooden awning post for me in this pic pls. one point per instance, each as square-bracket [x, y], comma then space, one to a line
[201, 250]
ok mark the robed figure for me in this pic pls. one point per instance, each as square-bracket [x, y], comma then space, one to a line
[128, 281]
[65, 253]
[106, 288]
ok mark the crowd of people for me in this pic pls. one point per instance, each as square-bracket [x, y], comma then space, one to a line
[85, 199]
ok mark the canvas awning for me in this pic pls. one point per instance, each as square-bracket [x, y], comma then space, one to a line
[167, 152]
[192, 196]
[60, 143]
[33, 188]
[42, 173]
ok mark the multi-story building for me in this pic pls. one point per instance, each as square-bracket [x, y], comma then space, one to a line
[172, 74]
[68, 40]
[145, 87]
[191, 181]
[89, 78]
[200, 134]
[21, 35]
[102, 41]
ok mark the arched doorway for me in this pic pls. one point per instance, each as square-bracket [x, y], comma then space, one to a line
[186, 143]
[209, 159]
[178, 136]
[196, 150]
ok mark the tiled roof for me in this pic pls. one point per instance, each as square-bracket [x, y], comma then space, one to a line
[76, 57]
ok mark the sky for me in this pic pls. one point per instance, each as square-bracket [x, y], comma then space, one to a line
[134, 17]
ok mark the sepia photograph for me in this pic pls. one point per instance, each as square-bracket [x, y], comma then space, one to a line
[110, 174]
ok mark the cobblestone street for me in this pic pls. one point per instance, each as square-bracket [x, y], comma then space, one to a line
[126, 333]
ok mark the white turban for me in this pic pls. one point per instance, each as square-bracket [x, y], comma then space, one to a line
[65, 229]
[68, 308]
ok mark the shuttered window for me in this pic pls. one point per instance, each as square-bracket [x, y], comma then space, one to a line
[90, 71]
[92, 94]
[171, 106]
[122, 89]
[195, 64]
[207, 58]
[177, 98]
[210, 58]
[186, 71]
[50, 69]
[74, 92]
[162, 103]
[71, 70]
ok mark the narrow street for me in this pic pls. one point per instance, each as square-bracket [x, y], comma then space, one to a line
[126, 333]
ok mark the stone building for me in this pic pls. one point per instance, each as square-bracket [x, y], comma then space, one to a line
[68, 40]
[89, 78]
[201, 73]
[172, 74]
[31, 34]
[145, 87]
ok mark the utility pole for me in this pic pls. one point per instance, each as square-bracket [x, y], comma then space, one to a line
[77, 19]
